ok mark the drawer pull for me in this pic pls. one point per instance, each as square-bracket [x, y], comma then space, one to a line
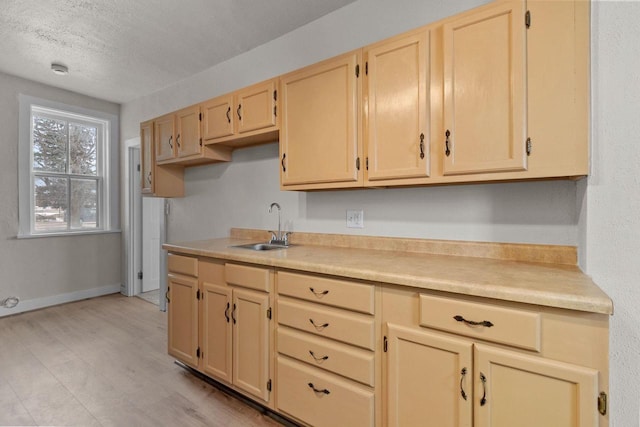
[318, 294]
[318, 359]
[485, 323]
[463, 373]
[318, 327]
[324, 390]
[483, 379]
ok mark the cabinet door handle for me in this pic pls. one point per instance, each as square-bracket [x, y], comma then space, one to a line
[226, 313]
[149, 177]
[233, 314]
[324, 390]
[284, 156]
[229, 114]
[483, 380]
[318, 294]
[318, 327]
[238, 111]
[484, 323]
[447, 151]
[318, 359]
[463, 373]
[171, 142]
[422, 145]
[178, 140]
[166, 296]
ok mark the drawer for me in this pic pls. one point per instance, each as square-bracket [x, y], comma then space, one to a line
[338, 293]
[182, 265]
[517, 328]
[351, 328]
[338, 402]
[342, 359]
[248, 277]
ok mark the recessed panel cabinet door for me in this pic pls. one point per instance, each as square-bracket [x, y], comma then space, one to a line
[256, 107]
[514, 389]
[320, 119]
[427, 376]
[163, 137]
[146, 147]
[218, 117]
[182, 310]
[397, 134]
[188, 131]
[485, 92]
[251, 342]
[217, 331]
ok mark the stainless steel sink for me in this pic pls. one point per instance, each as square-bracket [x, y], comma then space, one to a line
[260, 246]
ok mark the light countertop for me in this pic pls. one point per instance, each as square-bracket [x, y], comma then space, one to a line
[553, 285]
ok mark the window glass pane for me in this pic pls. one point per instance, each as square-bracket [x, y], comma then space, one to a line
[84, 204]
[50, 203]
[49, 144]
[83, 145]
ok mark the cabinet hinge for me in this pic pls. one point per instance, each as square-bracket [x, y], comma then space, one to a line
[367, 163]
[269, 313]
[200, 142]
[528, 144]
[200, 116]
[357, 70]
[366, 68]
[269, 385]
[602, 403]
[275, 111]
[275, 95]
[198, 352]
[527, 19]
[358, 163]
[140, 275]
[385, 345]
[138, 167]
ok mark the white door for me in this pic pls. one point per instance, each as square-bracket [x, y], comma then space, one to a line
[152, 231]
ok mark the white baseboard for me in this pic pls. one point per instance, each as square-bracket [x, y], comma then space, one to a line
[34, 304]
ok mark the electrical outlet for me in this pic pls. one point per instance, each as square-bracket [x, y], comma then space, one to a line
[355, 218]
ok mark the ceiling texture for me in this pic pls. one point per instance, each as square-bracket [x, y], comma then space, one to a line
[119, 50]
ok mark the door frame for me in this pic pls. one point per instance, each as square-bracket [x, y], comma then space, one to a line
[132, 227]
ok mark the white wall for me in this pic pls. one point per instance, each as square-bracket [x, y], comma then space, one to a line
[612, 199]
[47, 270]
[599, 215]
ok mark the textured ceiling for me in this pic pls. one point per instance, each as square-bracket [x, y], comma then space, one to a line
[119, 50]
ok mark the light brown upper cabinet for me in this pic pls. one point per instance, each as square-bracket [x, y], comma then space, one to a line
[160, 181]
[319, 138]
[396, 95]
[485, 91]
[163, 130]
[245, 117]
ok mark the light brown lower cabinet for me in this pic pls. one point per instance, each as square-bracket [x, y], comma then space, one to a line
[220, 329]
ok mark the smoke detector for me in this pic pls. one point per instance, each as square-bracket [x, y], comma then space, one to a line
[59, 69]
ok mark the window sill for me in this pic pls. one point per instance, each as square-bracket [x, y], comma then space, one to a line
[73, 233]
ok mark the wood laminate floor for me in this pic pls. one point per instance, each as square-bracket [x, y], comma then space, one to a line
[103, 362]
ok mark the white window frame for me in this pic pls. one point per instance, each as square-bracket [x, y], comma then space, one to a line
[107, 169]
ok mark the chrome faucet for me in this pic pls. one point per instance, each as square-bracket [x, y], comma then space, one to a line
[280, 238]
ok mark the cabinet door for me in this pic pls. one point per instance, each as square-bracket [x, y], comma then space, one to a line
[251, 342]
[188, 131]
[218, 118]
[163, 137]
[526, 391]
[146, 154]
[484, 91]
[183, 319]
[428, 379]
[256, 107]
[319, 137]
[217, 331]
[397, 134]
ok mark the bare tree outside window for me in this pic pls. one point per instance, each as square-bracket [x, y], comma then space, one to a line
[66, 175]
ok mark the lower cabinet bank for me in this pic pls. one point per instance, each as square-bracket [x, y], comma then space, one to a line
[332, 351]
